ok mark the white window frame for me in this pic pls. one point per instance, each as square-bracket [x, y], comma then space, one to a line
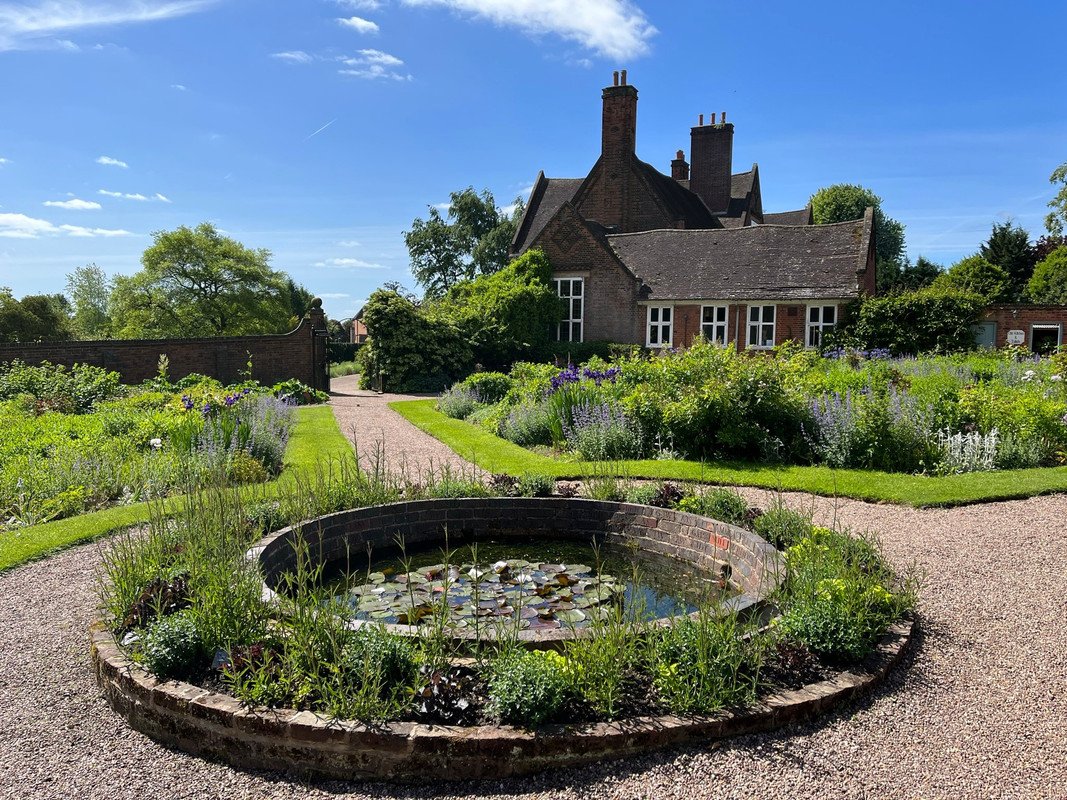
[758, 326]
[659, 320]
[710, 329]
[1046, 326]
[815, 328]
[569, 319]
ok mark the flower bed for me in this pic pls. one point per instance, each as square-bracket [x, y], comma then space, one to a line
[934, 414]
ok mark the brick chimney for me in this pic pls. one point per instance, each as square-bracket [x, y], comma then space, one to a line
[712, 152]
[619, 130]
[679, 167]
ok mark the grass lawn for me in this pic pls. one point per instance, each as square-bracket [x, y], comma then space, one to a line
[494, 454]
[315, 439]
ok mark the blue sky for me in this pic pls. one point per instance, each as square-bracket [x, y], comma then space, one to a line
[319, 129]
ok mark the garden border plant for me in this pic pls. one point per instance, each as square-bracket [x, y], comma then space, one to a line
[494, 454]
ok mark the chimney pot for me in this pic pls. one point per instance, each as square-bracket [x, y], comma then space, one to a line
[701, 120]
[615, 78]
[723, 117]
[713, 118]
[680, 154]
[624, 77]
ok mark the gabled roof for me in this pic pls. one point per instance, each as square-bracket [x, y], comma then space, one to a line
[546, 198]
[680, 202]
[765, 262]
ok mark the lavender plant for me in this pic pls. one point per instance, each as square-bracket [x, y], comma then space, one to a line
[600, 430]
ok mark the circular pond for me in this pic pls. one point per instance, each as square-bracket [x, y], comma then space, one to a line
[525, 564]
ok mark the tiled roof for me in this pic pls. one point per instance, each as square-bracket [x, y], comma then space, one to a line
[802, 216]
[680, 202]
[547, 197]
[765, 262]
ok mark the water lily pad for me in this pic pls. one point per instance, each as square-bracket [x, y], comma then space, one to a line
[376, 577]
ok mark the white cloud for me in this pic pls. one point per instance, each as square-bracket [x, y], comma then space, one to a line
[20, 226]
[4, 161]
[333, 295]
[372, 64]
[77, 230]
[293, 57]
[359, 24]
[612, 28]
[67, 44]
[26, 25]
[349, 243]
[360, 5]
[73, 205]
[133, 196]
[179, 87]
[113, 162]
[348, 263]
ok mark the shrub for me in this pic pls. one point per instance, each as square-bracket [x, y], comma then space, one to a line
[459, 402]
[781, 526]
[1048, 284]
[721, 504]
[911, 322]
[600, 431]
[528, 425]
[53, 386]
[174, 646]
[528, 688]
[374, 658]
[536, 484]
[490, 387]
[967, 452]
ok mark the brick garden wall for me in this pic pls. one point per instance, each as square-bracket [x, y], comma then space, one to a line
[299, 354]
[1022, 318]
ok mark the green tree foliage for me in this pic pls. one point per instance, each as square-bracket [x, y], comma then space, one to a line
[407, 349]
[197, 282]
[915, 276]
[35, 318]
[975, 275]
[89, 288]
[474, 240]
[843, 202]
[1057, 218]
[1049, 281]
[1009, 248]
[907, 323]
[508, 314]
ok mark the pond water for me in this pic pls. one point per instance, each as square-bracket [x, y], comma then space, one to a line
[540, 584]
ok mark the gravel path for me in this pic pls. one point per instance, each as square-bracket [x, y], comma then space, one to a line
[979, 709]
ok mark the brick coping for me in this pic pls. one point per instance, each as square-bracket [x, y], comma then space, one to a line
[219, 727]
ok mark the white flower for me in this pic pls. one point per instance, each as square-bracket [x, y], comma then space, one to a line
[156, 443]
[1029, 375]
[1055, 378]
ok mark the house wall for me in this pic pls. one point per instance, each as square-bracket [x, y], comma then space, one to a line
[623, 200]
[1021, 317]
[299, 354]
[790, 322]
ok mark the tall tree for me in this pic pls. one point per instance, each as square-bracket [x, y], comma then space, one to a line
[1057, 218]
[845, 201]
[1049, 281]
[474, 240]
[34, 318]
[1009, 248]
[89, 289]
[922, 273]
[975, 275]
[197, 282]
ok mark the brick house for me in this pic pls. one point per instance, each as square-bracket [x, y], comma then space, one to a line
[654, 260]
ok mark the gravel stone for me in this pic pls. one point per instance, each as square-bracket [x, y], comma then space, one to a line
[977, 710]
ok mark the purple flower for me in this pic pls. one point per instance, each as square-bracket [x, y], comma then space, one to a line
[206, 410]
[230, 400]
[187, 401]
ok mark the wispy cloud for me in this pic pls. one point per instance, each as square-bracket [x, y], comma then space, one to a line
[293, 57]
[348, 263]
[179, 87]
[4, 161]
[161, 198]
[349, 243]
[320, 130]
[360, 5]
[73, 204]
[20, 226]
[359, 24]
[612, 28]
[67, 44]
[133, 196]
[27, 25]
[372, 64]
[333, 295]
[111, 162]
